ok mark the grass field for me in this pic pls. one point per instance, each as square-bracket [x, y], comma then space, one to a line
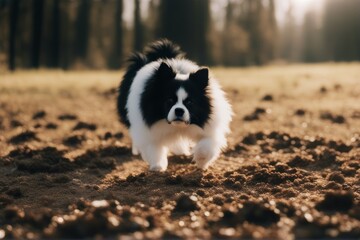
[292, 169]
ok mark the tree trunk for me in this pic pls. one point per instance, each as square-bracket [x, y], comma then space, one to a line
[117, 44]
[138, 28]
[13, 18]
[186, 22]
[82, 29]
[38, 7]
[54, 58]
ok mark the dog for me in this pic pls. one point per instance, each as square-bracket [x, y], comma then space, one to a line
[172, 105]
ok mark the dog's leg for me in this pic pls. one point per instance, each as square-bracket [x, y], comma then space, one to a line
[134, 150]
[206, 151]
[156, 156]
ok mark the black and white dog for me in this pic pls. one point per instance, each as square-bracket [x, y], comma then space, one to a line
[171, 105]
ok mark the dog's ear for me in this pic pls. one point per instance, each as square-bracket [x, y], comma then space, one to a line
[165, 72]
[201, 77]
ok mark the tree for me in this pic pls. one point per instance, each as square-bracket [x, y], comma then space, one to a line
[37, 26]
[82, 29]
[259, 21]
[53, 46]
[250, 32]
[272, 31]
[252, 25]
[312, 50]
[202, 26]
[151, 21]
[288, 44]
[138, 27]
[117, 42]
[342, 30]
[66, 37]
[186, 22]
[13, 21]
[235, 40]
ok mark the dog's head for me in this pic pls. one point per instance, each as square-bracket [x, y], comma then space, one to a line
[181, 99]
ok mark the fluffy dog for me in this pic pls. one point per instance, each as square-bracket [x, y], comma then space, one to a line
[171, 105]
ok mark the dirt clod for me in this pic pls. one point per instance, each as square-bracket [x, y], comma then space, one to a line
[339, 146]
[186, 203]
[267, 97]
[250, 139]
[23, 137]
[84, 125]
[15, 123]
[62, 179]
[39, 115]
[64, 117]
[119, 135]
[336, 177]
[5, 200]
[74, 140]
[339, 119]
[48, 159]
[323, 89]
[51, 126]
[173, 180]
[298, 161]
[255, 115]
[251, 212]
[326, 158]
[257, 213]
[336, 201]
[300, 112]
[333, 118]
[108, 135]
[15, 192]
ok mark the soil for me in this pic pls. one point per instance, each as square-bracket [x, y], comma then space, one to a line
[292, 168]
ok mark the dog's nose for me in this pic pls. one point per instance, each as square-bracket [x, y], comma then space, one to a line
[179, 112]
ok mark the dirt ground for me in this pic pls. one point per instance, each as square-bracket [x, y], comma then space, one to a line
[292, 169]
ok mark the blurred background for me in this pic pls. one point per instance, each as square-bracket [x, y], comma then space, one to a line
[100, 34]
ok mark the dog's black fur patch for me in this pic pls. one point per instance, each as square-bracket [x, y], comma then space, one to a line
[157, 50]
[136, 61]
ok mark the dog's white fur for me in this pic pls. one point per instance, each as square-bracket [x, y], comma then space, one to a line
[155, 143]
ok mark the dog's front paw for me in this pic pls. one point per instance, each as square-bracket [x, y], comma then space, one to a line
[201, 162]
[205, 153]
[134, 150]
[157, 168]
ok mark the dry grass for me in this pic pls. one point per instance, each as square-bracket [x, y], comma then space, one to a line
[295, 86]
[278, 78]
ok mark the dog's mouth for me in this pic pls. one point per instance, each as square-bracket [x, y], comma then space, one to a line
[178, 121]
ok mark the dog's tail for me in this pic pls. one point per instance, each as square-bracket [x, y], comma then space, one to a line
[162, 49]
[135, 62]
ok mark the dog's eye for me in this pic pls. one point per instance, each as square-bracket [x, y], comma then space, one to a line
[188, 101]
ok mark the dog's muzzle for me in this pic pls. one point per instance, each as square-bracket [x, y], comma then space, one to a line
[178, 116]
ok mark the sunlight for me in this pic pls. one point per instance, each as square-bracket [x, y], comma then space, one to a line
[299, 8]
[305, 5]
